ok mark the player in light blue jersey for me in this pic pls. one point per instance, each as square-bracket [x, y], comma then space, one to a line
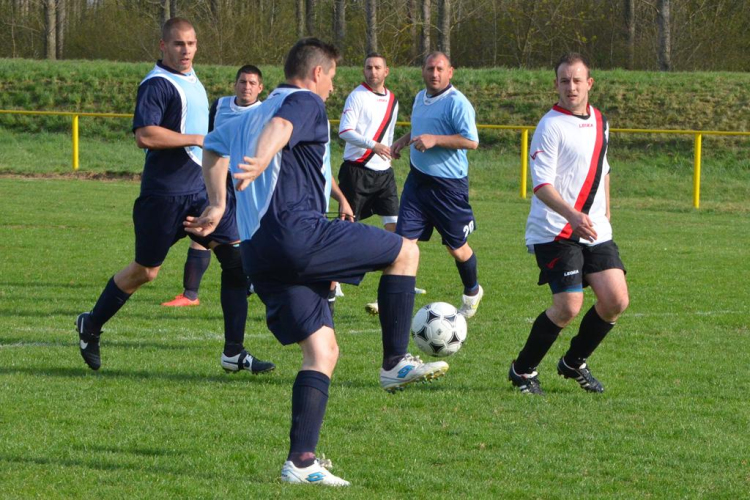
[436, 192]
[279, 153]
[248, 84]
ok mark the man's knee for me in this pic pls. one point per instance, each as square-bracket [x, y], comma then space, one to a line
[409, 254]
[230, 259]
[611, 308]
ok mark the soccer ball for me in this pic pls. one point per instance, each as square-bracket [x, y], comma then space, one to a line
[438, 329]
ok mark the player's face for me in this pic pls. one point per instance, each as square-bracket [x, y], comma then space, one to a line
[375, 72]
[247, 89]
[437, 74]
[179, 51]
[324, 81]
[573, 84]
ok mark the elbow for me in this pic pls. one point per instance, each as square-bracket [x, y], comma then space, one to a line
[473, 145]
[140, 140]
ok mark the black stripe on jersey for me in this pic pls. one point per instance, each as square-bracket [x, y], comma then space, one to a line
[599, 166]
[390, 117]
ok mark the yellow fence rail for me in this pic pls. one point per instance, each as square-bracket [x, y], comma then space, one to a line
[524, 129]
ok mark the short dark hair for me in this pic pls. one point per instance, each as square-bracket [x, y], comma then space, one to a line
[250, 70]
[376, 54]
[308, 53]
[436, 53]
[572, 58]
[175, 23]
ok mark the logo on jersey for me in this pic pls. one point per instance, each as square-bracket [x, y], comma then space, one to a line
[585, 125]
[535, 153]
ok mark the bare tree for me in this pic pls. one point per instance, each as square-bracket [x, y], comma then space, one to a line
[412, 17]
[371, 14]
[61, 24]
[300, 18]
[339, 23]
[444, 27]
[50, 28]
[426, 27]
[166, 12]
[629, 12]
[310, 17]
[664, 21]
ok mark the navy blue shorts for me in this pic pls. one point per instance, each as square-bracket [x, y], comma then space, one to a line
[158, 225]
[429, 203]
[292, 268]
[564, 264]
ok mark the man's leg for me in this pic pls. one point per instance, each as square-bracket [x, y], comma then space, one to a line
[196, 264]
[466, 262]
[234, 308]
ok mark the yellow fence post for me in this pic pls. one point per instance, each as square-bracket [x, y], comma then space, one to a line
[697, 171]
[524, 160]
[75, 142]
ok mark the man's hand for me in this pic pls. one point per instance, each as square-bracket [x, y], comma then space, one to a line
[345, 210]
[399, 145]
[252, 169]
[206, 223]
[582, 226]
[424, 142]
[382, 151]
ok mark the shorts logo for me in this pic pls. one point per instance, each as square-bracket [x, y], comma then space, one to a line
[570, 273]
[552, 263]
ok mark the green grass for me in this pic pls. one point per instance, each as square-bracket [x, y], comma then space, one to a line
[161, 420]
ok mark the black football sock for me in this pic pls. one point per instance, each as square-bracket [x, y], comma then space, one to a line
[195, 266]
[592, 331]
[309, 401]
[543, 334]
[396, 304]
[110, 301]
[468, 272]
[233, 298]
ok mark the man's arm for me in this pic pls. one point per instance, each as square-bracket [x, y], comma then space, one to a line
[456, 141]
[275, 136]
[155, 137]
[215, 176]
[400, 144]
[345, 210]
[579, 221]
[606, 195]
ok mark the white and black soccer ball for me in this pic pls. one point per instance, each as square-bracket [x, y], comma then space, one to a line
[438, 329]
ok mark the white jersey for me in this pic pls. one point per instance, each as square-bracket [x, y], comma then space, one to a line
[368, 118]
[570, 153]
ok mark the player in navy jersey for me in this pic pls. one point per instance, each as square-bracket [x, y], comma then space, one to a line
[280, 155]
[568, 230]
[171, 119]
[248, 84]
[436, 192]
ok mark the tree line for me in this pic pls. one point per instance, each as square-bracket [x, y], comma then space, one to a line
[664, 35]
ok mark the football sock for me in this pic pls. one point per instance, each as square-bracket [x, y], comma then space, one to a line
[468, 272]
[233, 297]
[110, 301]
[592, 331]
[396, 303]
[309, 400]
[543, 334]
[195, 266]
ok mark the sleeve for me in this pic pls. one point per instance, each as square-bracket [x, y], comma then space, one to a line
[349, 121]
[543, 155]
[220, 139]
[303, 110]
[212, 115]
[606, 136]
[464, 119]
[154, 96]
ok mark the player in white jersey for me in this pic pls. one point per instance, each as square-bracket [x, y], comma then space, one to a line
[248, 84]
[569, 231]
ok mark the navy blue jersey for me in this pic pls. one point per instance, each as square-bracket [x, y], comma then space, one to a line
[177, 102]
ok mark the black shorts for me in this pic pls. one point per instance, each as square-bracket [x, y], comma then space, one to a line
[158, 224]
[564, 264]
[369, 192]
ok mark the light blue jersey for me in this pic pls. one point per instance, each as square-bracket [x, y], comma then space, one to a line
[225, 109]
[307, 179]
[447, 113]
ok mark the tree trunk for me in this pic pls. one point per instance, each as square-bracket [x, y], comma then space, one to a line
[444, 33]
[371, 14]
[413, 18]
[339, 24]
[426, 27]
[300, 18]
[629, 11]
[50, 28]
[310, 17]
[665, 36]
[62, 25]
[166, 13]
[173, 8]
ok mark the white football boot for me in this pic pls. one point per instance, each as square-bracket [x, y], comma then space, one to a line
[409, 370]
[314, 474]
[470, 303]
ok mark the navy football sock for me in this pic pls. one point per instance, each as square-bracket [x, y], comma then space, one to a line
[468, 272]
[233, 297]
[592, 331]
[195, 267]
[543, 334]
[309, 401]
[396, 304]
[110, 301]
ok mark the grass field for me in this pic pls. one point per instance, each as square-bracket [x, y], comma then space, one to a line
[162, 420]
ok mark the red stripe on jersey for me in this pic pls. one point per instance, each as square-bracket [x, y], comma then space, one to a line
[540, 186]
[585, 192]
[564, 111]
[379, 134]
